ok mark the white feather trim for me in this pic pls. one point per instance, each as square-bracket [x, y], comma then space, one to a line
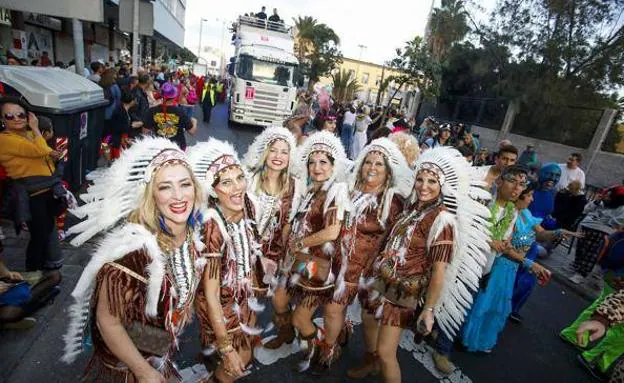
[251, 330]
[255, 305]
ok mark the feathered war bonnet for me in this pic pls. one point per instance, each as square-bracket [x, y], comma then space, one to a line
[256, 152]
[461, 191]
[325, 142]
[401, 177]
[210, 158]
[118, 190]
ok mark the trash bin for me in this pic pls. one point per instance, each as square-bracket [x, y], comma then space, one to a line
[74, 104]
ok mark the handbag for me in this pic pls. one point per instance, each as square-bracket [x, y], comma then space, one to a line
[312, 267]
[149, 339]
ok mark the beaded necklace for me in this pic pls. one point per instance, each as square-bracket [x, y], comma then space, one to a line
[500, 227]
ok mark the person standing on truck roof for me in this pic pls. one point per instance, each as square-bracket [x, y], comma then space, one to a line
[274, 17]
[262, 15]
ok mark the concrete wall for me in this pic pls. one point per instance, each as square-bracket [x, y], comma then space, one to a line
[606, 169]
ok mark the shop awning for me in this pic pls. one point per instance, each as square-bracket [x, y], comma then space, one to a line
[88, 10]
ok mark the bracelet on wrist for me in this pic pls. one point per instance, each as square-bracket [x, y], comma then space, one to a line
[527, 263]
[226, 350]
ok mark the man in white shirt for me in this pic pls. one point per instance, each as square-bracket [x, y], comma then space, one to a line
[571, 171]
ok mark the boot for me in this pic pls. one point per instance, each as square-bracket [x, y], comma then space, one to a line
[442, 363]
[370, 366]
[285, 331]
[327, 354]
[312, 343]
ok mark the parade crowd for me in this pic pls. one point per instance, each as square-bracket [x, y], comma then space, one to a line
[420, 226]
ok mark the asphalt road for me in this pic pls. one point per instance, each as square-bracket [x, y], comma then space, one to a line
[530, 352]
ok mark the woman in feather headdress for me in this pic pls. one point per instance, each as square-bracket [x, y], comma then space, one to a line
[226, 304]
[269, 160]
[433, 256]
[378, 184]
[310, 260]
[136, 294]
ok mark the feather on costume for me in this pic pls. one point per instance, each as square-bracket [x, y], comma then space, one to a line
[232, 252]
[143, 282]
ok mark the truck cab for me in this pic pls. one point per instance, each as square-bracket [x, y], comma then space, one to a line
[262, 72]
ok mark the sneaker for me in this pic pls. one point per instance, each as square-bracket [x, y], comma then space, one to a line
[516, 318]
[577, 278]
[25, 324]
[442, 363]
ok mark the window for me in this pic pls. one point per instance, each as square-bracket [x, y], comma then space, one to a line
[378, 81]
[365, 77]
[351, 73]
[250, 68]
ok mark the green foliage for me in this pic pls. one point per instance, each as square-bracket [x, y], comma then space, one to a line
[317, 48]
[448, 25]
[344, 86]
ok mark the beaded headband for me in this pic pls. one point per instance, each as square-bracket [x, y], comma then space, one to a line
[222, 163]
[320, 147]
[165, 157]
[433, 169]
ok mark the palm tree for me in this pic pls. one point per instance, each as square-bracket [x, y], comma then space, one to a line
[305, 27]
[345, 85]
[448, 25]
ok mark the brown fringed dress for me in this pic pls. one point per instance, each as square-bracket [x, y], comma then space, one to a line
[272, 219]
[238, 274]
[311, 218]
[126, 289]
[404, 268]
[361, 242]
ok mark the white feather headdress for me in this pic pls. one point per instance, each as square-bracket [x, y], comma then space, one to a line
[461, 191]
[327, 142]
[255, 153]
[209, 158]
[117, 191]
[402, 177]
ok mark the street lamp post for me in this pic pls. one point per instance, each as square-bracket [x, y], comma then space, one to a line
[201, 24]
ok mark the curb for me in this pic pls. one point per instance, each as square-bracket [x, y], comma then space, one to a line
[584, 293]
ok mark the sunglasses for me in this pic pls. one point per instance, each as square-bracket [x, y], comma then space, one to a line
[11, 116]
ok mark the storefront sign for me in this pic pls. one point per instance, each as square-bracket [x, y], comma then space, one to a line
[5, 17]
[43, 20]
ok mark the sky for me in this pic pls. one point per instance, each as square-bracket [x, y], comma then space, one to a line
[380, 26]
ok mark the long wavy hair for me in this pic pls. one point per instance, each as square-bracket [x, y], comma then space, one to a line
[359, 183]
[148, 215]
[262, 173]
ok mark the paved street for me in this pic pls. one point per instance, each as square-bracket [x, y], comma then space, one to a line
[531, 352]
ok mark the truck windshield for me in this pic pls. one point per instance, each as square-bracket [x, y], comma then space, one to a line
[250, 68]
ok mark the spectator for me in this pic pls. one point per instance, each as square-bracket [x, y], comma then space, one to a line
[208, 99]
[443, 138]
[603, 217]
[112, 93]
[274, 17]
[18, 299]
[122, 128]
[168, 120]
[569, 204]
[347, 130]
[12, 58]
[44, 60]
[528, 157]
[262, 14]
[97, 70]
[38, 194]
[139, 112]
[72, 68]
[362, 121]
[481, 158]
[467, 153]
[466, 138]
[507, 156]
[571, 171]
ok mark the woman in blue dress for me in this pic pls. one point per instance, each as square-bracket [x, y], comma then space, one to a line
[493, 303]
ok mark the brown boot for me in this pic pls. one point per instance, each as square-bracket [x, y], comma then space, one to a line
[370, 366]
[311, 354]
[327, 355]
[285, 331]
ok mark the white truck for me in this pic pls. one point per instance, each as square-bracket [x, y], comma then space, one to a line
[262, 72]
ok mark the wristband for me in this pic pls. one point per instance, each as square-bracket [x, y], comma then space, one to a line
[527, 263]
[226, 350]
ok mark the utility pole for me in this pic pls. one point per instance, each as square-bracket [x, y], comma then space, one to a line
[201, 24]
[78, 46]
[383, 71]
[135, 37]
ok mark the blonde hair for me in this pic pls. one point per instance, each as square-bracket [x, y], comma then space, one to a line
[147, 214]
[408, 145]
[359, 181]
[284, 179]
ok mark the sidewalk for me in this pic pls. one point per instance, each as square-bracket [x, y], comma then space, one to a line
[559, 263]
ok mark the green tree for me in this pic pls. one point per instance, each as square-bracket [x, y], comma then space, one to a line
[317, 48]
[187, 56]
[447, 26]
[417, 68]
[344, 86]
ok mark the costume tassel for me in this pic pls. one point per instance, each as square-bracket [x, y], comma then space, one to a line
[251, 330]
